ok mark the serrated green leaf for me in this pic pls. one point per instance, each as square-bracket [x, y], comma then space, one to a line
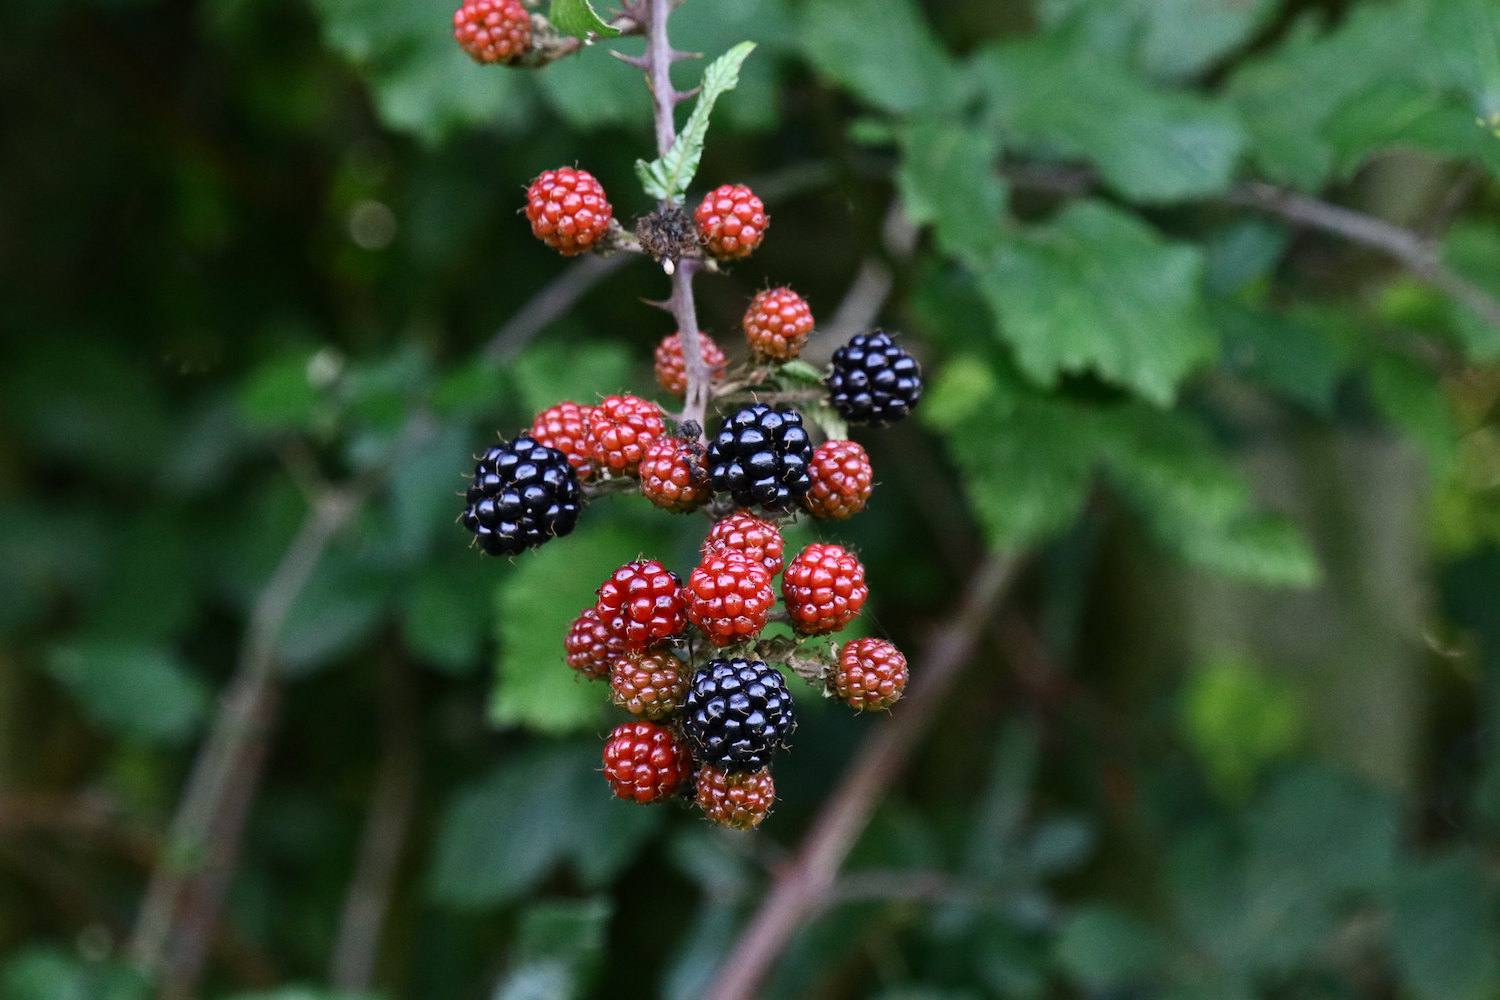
[499, 838]
[883, 51]
[558, 951]
[1173, 39]
[949, 179]
[667, 178]
[537, 600]
[422, 83]
[1059, 99]
[141, 692]
[797, 373]
[579, 19]
[1096, 289]
[1195, 503]
[1101, 947]
[1444, 929]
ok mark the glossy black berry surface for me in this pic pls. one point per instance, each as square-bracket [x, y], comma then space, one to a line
[738, 714]
[760, 458]
[873, 381]
[523, 494]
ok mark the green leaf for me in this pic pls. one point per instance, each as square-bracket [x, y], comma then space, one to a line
[1472, 248]
[578, 18]
[1195, 503]
[558, 952]
[798, 373]
[1174, 39]
[339, 607]
[139, 692]
[1027, 461]
[302, 993]
[422, 82]
[1062, 100]
[46, 973]
[1404, 73]
[1294, 354]
[1238, 719]
[881, 50]
[555, 369]
[281, 395]
[1443, 929]
[536, 602]
[1417, 404]
[1101, 948]
[1097, 289]
[445, 614]
[499, 837]
[949, 179]
[595, 91]
[668, 177]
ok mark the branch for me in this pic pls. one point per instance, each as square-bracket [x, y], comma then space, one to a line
[657, 65]
[1417, 254]
[392, 803]
[553, 300]
[187, 886]
[873, 282]
[801, 887]
[1413, 251]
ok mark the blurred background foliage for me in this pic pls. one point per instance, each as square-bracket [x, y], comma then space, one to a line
[1234, 737]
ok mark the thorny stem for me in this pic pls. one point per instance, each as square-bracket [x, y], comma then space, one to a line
[657, 65]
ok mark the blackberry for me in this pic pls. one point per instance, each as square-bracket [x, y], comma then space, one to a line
[523, 494]
[738, 713]
[760, 458]
[873, 381]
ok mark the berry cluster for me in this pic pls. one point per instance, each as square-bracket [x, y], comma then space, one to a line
[689, 656]
[688, 660]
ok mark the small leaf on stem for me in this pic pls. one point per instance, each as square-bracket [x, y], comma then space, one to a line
[578, 18]
[667, 178]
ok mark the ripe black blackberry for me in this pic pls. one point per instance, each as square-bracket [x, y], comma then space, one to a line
[873, 381]
[738, 714]
[523, 494]
[760, 458]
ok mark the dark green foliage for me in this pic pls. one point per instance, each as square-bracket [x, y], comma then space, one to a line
[1235, 738]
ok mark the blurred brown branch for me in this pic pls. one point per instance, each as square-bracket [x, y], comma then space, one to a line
[801, 886]
[392, 806]
[1414, 251]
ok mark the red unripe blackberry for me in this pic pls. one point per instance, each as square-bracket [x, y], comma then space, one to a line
[777, 323]
[731, 221]
[746, 533]
[565, 426]
[729, 597]
[671, 369]
[649, 684]
[644, 762]
[492, 31]
[591, 649]
[736, 799]
[871, 674]
[674, 474]
[841, 480]
[824, 589]
[620, 430]
[567, 210]
[642, 604]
